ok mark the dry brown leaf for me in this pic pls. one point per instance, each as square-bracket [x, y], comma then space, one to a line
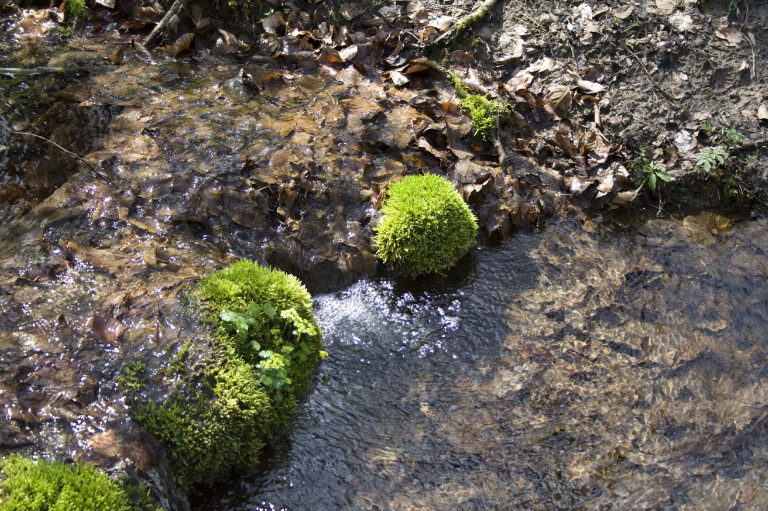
[350, 11]
[730, 34]
[442, 23]
[591, 87]
[762, 111]
[666, 6]
[348, 53]
[521, 80]
[417, 12]
[183, 43]
[542, 65]
[681, 22]
[623, 11]
[398, 78]
[560, 98]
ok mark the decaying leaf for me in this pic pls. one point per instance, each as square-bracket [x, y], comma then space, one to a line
[732, 35]
[560, 98]
[183, 43]
[398, 78]
[274, 25]
[681, 22]
[762, 111]
[350, 11]
[348, 53]
[141, 52]
[666, 6]
[624, 11]
[117, 57]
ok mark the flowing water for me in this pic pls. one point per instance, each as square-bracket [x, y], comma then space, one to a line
[591, 367]
[614, 365]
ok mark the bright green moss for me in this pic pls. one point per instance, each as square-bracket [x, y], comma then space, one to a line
[218, 425]
[39, 485]
[265, 348]
[238, 286]
[75, 8]
[486, 114]
[427, 226]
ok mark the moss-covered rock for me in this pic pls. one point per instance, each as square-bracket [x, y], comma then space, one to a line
[27, 484]
[427, 226]
[265, 347]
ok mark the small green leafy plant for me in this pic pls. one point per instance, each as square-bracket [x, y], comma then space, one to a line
[427, 226]
[711, 157]
[274, 365]
[735, 136]
[707, 128]
[650, 172]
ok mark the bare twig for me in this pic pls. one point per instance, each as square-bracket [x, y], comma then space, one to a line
[177, 6]
[650, 78]
[462, 24]
[66, 151]
[43, 69]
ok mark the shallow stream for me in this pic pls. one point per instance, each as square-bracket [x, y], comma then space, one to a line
[593, 366]
[613, 365]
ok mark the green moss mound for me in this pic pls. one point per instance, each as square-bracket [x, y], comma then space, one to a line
[427, 226]
[266, 345]
[219, 424]
[38, 485]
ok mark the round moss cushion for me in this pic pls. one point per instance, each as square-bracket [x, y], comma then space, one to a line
[427, 226]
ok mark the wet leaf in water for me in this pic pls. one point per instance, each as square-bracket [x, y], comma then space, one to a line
[141, 52]
[107, 329]
[182, 44]
[398, 78]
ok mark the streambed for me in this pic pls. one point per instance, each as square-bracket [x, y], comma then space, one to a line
[595, 366]
[616, 364]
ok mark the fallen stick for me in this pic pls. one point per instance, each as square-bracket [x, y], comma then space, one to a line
[177, 6]
[465, 22]
[66, 151]
[43, 69]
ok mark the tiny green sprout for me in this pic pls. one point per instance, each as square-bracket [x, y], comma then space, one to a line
[711, 157]
[735, 136]
[651, 171]
[707, 128]
[751, 158]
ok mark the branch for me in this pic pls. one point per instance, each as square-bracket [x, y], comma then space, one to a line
[66, 151]
[642, 66]
[177, 6]
[465, 22]
[43, 69]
